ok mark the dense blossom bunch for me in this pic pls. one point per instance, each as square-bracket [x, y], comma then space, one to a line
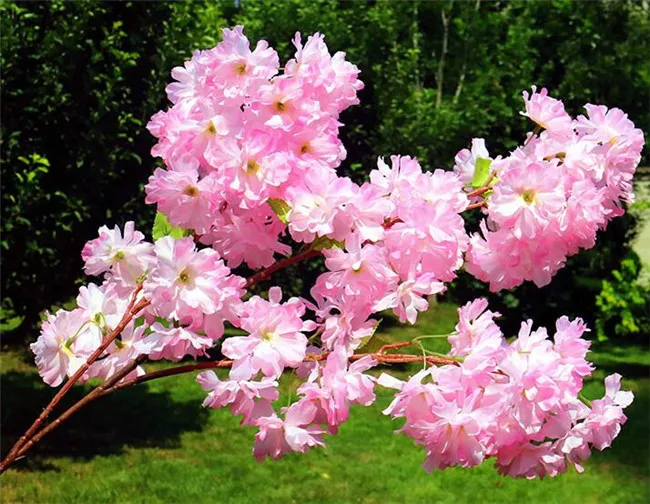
[517, 402]
[250, 159]
[554, 193]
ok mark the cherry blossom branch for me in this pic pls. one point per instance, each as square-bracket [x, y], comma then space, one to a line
[96, 393]
[33, 434]
[476, 205]
[132, 310]
[114, 383]
[380, 356]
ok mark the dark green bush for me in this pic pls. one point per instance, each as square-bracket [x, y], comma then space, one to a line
[80, 80]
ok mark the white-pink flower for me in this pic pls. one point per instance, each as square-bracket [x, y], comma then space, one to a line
[276, 338]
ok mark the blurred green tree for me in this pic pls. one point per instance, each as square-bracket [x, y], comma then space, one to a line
[81, 79]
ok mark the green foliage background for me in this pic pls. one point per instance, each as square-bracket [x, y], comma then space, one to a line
[80, 80]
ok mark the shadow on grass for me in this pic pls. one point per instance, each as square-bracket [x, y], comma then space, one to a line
[132, 417]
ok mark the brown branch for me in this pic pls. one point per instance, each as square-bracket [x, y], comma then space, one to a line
[132, 310]
[478, 192]
[97, 392]
[225, 363]
[476, 205]
[114, 383]
[266, 273]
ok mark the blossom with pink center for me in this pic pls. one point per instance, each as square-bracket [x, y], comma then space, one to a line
[185, 280]
[547, 112]
[125, 256]
[275, 341]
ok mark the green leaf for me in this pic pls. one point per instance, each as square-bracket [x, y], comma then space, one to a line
[481, 172]
[324, 242]
[377, 342]
[281, 208]
[162, 227]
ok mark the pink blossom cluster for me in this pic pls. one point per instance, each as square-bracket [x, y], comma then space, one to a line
[250, 159]
[517, 402]
[240, 134]
[191, 294]
[551, 195]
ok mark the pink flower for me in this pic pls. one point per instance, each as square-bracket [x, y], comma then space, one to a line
[476, 333]
[174, 343]
[572, 349]
[295, 433]
[408, 299]
[358, 270]
[606, 416]
[504, 260]
[399, 179]
[451, 438]
[315, 203]
[252, 399]
[185, 281]
[606, 125]
[102, 305]
[130, 344]
[530, 461]
[186, 201]
[250, 236]
[275, 340]
[528, 199]
[547, 112]
[368, 211]
[125, 257]
[65, 342]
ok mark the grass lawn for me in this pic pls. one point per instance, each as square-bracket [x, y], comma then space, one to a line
[155, 444]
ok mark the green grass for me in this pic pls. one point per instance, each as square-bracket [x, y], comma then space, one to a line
[155, 444]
